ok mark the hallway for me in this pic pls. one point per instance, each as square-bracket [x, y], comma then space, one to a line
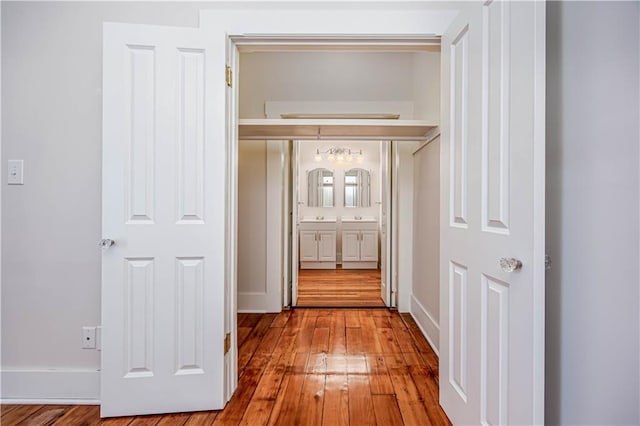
[306, 367]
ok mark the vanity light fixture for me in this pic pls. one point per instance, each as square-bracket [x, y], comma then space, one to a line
[338, 154]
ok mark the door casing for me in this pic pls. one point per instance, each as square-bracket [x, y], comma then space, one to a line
[277, 25]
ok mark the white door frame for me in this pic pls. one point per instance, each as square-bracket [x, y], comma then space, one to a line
[369, 23]
[327, 27]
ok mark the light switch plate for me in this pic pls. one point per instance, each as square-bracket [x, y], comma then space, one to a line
[15, 172]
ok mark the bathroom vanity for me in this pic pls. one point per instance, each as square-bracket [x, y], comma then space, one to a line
[318, 243]
[359, 243]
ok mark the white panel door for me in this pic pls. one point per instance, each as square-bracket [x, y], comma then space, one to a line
[163, 188]
[387, 266]
[350, 246]
[327, 246]
[492, 320]
[308, 246]
[369, 246]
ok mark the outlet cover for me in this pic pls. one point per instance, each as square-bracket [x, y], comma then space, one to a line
[88, 337]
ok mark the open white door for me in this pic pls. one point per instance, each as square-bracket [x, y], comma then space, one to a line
[163, 206]
[386, 226]
[492, 208]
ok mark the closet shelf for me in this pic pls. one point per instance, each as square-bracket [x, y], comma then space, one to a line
[317, 129]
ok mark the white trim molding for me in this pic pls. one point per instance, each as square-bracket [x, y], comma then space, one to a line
[427, 324]
[50, 386]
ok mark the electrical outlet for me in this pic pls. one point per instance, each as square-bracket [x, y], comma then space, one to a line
[88, 337]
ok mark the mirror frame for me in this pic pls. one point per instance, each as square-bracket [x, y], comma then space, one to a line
[368, 188]
[333, 188]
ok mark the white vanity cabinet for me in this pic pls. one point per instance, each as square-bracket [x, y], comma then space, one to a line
[359, 245]
[317, 245]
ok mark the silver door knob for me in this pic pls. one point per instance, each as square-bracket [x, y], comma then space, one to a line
[105, 243]
[510, 264]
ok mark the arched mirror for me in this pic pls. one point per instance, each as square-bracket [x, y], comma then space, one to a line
[357, 188]
[320, 188]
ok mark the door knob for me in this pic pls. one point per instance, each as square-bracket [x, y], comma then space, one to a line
[510, 264]
[105, 243]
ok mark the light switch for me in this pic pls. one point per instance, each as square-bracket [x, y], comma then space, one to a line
[15, 172]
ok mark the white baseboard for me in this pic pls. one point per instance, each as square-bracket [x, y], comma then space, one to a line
[427, 324]
[258, 302]
[50, 386]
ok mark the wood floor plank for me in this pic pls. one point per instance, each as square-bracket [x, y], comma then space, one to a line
[248, 348]
[339, 287]
[409, 400]
[175, 419]
[388, 341]
[354, 340]
[145, 420]
[281, 319]
[320, 340]
[202, 418]
[311, 400]
[18, 414]
[311, 366]
[426, 383]
[235, 408]
[379, 378]
[336, 400]
[287, 409]
[403, 337]
[86, 415]
[114, 421]
[337, 337]
[45, 415]
[360, 402]
[386, 410]
[264, 397]
[352, 320]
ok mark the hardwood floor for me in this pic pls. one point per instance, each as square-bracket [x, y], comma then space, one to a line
[339, 287]
[305, 367]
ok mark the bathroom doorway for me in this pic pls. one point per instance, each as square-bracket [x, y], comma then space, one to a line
[340, 187]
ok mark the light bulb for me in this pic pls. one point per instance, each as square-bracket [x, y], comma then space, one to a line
[331, 156]
[349, 157]
[340, 156]
[318, 156]
[360, 157]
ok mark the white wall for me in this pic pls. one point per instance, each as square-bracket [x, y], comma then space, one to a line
[592, 301]
[426, 86]
[425, 302]
[371, 162]
[337, 76]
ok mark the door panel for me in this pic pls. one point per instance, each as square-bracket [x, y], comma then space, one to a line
[350, 246]
[308, 246]
[369, 246]
[491, 360]
[163, 280]
[327, 246]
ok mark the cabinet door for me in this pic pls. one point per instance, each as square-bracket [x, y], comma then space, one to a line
[327, 246]
[350, 246]
[308, 246]
[369, 246]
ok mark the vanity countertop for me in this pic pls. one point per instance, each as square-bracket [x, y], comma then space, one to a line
[359, 219]
[318, 219]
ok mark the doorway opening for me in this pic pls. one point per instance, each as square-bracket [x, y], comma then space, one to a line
[318, 138]
[339, 223]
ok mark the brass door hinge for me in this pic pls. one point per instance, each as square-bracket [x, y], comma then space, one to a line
[229, 76]
[227, 343]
